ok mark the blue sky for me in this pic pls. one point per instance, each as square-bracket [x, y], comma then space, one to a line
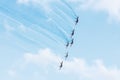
[33, 34]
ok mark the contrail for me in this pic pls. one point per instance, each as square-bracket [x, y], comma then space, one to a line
[75, 15]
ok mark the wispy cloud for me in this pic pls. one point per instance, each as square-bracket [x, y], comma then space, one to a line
[43, 57]
[95, 71]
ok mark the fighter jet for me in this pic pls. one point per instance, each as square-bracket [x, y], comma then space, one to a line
[72, 42]
[73, 31]
[61, 65]
[77, 20]
[66, 56]
[67, 44]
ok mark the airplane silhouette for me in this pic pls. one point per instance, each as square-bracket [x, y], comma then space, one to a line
[72, 42]
[77, 20]
[67, 44]
[66, 56]
[73, 31]
[61, 65]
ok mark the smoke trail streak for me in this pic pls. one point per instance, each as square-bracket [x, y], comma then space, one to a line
[34, 26]
[75, 15]
[61, 30]
[61, 22]
[29, 19]
[43, 22]
[65, 17]
[48, 33]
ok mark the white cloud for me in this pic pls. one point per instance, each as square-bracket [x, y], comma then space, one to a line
[44, 57]
[95, 71]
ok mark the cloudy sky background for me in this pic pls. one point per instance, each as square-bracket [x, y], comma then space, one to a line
[33, 34]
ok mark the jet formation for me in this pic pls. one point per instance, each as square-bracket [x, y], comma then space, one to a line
[69, 43]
